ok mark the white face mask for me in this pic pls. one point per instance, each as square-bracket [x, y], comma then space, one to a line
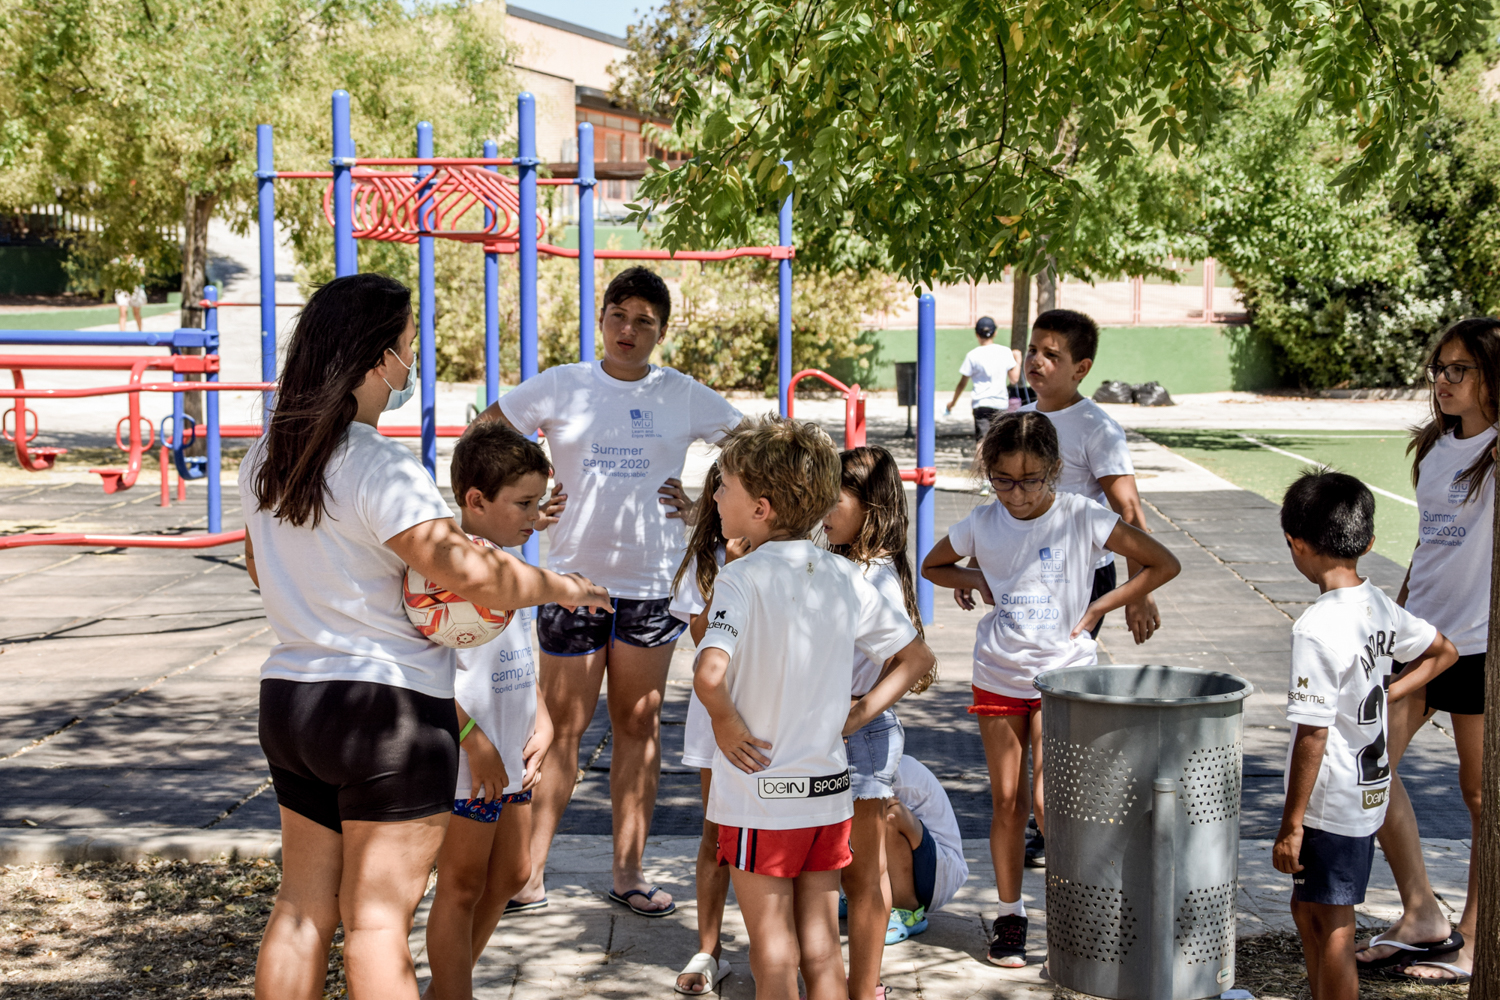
[399, 396]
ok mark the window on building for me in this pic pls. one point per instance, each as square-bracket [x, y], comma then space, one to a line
[612, 147]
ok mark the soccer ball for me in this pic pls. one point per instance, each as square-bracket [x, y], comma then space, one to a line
[444, 617]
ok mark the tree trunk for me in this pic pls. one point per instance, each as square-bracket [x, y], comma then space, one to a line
[1046, 288]
[1486, 849]
[1020, 310]
[196, 211]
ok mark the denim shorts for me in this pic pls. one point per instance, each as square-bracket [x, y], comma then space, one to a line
[874, 753]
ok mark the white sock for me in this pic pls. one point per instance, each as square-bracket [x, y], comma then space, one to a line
[1016, 909]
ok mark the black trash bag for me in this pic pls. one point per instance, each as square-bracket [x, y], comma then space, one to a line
[1152, 394]
[1114, 392]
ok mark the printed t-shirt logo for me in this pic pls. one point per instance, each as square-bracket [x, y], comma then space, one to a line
[1302, 682]
[802, 787]
[1054, 564]
[643, 424]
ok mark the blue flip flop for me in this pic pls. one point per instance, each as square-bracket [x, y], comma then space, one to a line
[623, 898]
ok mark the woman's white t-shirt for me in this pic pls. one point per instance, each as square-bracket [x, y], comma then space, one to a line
[333, 593]
[1041, 573]
[496, 685]
[919, 790]
[698, 734]
[1450, 569]
[613, 444]
[789, 615]
[882, 576]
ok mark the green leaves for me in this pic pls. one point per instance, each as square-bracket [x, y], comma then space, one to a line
[919, 125]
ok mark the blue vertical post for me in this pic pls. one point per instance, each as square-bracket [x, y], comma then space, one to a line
[265, 185]
[491, 299]
[926, 440]
[526, 170]
[427, 311]
[345, 254]
[211, 415]
[784, 300]
[586, 317]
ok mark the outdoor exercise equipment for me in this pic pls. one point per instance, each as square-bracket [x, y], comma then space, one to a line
[416, 200]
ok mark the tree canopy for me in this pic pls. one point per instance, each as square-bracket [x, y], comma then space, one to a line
[963, 136]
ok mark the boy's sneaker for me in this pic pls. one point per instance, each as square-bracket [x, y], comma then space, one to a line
[1036, 851]
[912, 922]
[1008, 949]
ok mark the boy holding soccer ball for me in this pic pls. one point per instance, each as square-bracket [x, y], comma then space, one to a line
[499, 479]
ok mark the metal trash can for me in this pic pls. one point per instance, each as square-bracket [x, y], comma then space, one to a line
[906, 383]
[1142, 797]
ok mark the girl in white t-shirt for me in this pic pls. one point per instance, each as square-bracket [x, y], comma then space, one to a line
[869, 527]
[499, 479]
[1036, 551]
[692, 589]
[1447, 585]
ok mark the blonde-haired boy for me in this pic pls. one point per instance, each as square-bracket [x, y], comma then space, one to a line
[775, 671]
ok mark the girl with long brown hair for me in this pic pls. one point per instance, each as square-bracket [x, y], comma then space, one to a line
[1447, 584]
[357, 715]
[869, 527]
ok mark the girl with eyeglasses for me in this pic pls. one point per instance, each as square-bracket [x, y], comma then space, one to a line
[1036, 551]
[1447, 584]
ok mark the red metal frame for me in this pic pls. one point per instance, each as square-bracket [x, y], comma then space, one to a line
[854, 404]
[124, 541]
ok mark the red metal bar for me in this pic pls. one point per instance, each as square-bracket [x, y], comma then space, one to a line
[166, 478]
[115, 390]
[209, 304]
[774, 253]
[854, 405]
[393, 431]
[434, 161]
[298, 175]
[124, 541]
[123, 479]
[31, 459]
[199, 363]
[922, 477]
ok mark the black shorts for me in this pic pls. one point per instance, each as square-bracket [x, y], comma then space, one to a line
[924, 868]
[355, 750]
[1459, 690]
[1335, 868]
[1104, 581]
[637, 623]
[983, 417]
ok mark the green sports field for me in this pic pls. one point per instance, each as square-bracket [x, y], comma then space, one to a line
[1377, 457]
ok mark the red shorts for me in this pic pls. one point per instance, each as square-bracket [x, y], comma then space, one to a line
[990, 703]
[786, 853]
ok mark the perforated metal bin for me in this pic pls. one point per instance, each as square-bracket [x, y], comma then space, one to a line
[1142, 783]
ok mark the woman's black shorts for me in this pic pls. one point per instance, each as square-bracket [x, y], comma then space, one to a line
[355, 750]
[1459, 690]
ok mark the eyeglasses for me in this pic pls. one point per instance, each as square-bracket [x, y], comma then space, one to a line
[1453, 373]
[1004, 485]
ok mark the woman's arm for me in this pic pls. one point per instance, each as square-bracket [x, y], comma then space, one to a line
[490, 578]
[1158, 565]
[250, 558]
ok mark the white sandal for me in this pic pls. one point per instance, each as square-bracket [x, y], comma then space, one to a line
[703, 964]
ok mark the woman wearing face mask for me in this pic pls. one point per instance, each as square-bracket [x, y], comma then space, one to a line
[357, 717]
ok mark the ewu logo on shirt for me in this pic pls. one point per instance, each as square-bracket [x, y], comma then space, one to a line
[643, 424]
[1458, 492]
[802, 787]
[1054, 563]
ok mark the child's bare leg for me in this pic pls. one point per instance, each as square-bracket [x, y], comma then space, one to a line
[1037, 799]
[510, 868]
[1327, 934]
[712, 891]
[898, 867]
[138, 325]
[817, 914]
[1005, 739]
[768, 905]
[869, 898]
[463, 862]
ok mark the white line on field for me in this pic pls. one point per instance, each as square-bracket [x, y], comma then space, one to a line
[1314, 461]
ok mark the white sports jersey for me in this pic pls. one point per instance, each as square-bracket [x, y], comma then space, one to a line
[496, 685]
[790, 616]
[1342, 648]
[882, 576]
[1041, 573]
[613, 444]
[920, 791]
[698, 734]
[1450, 570]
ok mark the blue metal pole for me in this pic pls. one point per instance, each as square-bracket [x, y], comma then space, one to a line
[586, 317]
[926, 440]
[784, 298]
[491, 301]
[427, 315]
[526, 169]
[211, 414]
[265, 183]
[345, 253]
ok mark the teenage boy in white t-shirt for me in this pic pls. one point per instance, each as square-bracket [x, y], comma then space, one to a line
[618, 430]
[1338, 773]
[775, 671]
[992, 368]
[1096, 458]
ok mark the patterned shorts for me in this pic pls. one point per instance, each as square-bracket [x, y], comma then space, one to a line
[481, 811]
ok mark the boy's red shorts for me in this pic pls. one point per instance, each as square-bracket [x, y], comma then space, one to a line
[786, 853]
[990, 703]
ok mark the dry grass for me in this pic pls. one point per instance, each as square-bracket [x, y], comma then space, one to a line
[154, 928]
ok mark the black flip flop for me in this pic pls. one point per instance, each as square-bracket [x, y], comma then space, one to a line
[516, 906]
[1409, 954]
[623, 898]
